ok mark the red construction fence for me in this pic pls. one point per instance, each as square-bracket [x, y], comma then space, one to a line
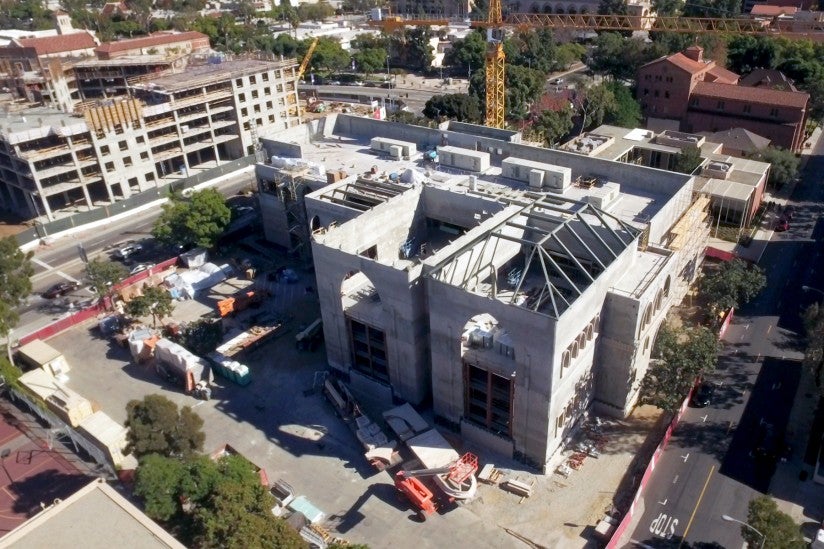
[615, 540]
[92, 311]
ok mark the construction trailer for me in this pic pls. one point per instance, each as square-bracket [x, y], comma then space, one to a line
[180, 366]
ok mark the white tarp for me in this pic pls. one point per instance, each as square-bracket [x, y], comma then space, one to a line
[205, 276]
[194, 258]
[177, 357]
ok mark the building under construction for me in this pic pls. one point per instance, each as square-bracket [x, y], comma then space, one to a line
[513, 287]
[170, 123]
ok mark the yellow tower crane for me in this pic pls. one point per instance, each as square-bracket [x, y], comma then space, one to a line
[495, 68]
[301, 70]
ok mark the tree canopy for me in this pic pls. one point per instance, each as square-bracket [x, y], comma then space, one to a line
[783, 165]
[202, 336]
[619, 56]
[155, 302]
[208, 503]
[157, 426]
[104, 274]
[625, 111]
[551, 126]
[200, 219]
[456, 106]
[15, 282]
[732, 285]
[813, 318]
[778, 528]
[688, 159]
[679, 358]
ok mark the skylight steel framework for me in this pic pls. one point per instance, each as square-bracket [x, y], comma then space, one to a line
[542, 238]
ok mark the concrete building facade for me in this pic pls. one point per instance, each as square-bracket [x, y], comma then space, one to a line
[514, 307]
[50, 160]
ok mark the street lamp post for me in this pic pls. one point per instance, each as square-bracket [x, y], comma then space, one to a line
[811, 289]
[750, 526]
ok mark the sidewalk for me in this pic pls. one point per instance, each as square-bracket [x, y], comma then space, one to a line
[755, 250]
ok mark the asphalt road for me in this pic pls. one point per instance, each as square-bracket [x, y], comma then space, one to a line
[61, 261]
[714, 463]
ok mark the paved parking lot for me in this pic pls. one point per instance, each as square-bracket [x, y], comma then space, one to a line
[282, 423]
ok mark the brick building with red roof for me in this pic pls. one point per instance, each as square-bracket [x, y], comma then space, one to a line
[157, 43]
[704, 97]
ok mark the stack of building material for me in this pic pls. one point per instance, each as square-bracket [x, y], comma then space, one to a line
[517, 487]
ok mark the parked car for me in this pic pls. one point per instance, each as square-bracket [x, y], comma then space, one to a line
[61, 288]
[782, 224]
[127, 251]
[702, 397]
[140, 267]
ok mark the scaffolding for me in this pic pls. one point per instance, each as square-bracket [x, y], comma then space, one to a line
[291, 190]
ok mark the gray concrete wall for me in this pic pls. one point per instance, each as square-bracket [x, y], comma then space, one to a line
[458, 208]
[402, 302]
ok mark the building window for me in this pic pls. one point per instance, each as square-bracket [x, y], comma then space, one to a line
[244, 112]
[669, 78]
[150, 176]
[656, 93]
[774, 112]
[257, 108]
[488, 399]
[252, 80]
[369, 350]
[140, 139]
[747, 109]
[127, 161]
[123, 145]
[255, 94]
[144, 156]
[371, 252]
[109, 166]
[666, 94]
[694, 101]
[241, 97]
[271, 118]
[104, 149]
[647, 77]
[646, 91]
[239, 82]
[265, 76]
[269, 105]
[720, 106]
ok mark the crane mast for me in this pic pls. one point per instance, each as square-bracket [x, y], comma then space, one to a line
[495, 68]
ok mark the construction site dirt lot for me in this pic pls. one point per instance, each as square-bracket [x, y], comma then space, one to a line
[282, 422]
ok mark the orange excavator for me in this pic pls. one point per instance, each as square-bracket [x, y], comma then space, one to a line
[409, 484]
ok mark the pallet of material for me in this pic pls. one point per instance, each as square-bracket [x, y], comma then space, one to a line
[517, 487]
[489, 474]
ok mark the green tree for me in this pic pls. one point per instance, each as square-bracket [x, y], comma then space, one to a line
[688, 159]
[155, 302]
[679, 358]
[201, 219]
[157, 426]
[328, 55]
[625, 111]
[411, 49]
[552, 125]
[104, 274]
[813, 318]
[315, 12]
[594, 104]
[783, 165]
[533, 48]
[157, 483]
[619, 56]
[778, 529]
[456, 106]
[711, 8]
[202, 336]
[15, 274]
[370, 60]
[746, 53]
[467, 54]
[732, 285]
[567, 54]
[285, 45]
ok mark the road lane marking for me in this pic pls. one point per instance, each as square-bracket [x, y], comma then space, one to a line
[704, 418]
[686, 457]
[50, 269]
[675, 479]
[697, 505]
[663, 502]
[770, 326]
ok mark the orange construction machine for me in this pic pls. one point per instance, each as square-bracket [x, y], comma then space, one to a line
[408, 483]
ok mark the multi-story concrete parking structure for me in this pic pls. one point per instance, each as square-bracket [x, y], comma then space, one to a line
[516, 288]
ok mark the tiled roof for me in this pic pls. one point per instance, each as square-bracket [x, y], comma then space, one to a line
[766, 96]
[773, 11]
[720, 74]
[768, 78]
[157, 39]
[685, 63]
[740, 139]
[58, 44]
